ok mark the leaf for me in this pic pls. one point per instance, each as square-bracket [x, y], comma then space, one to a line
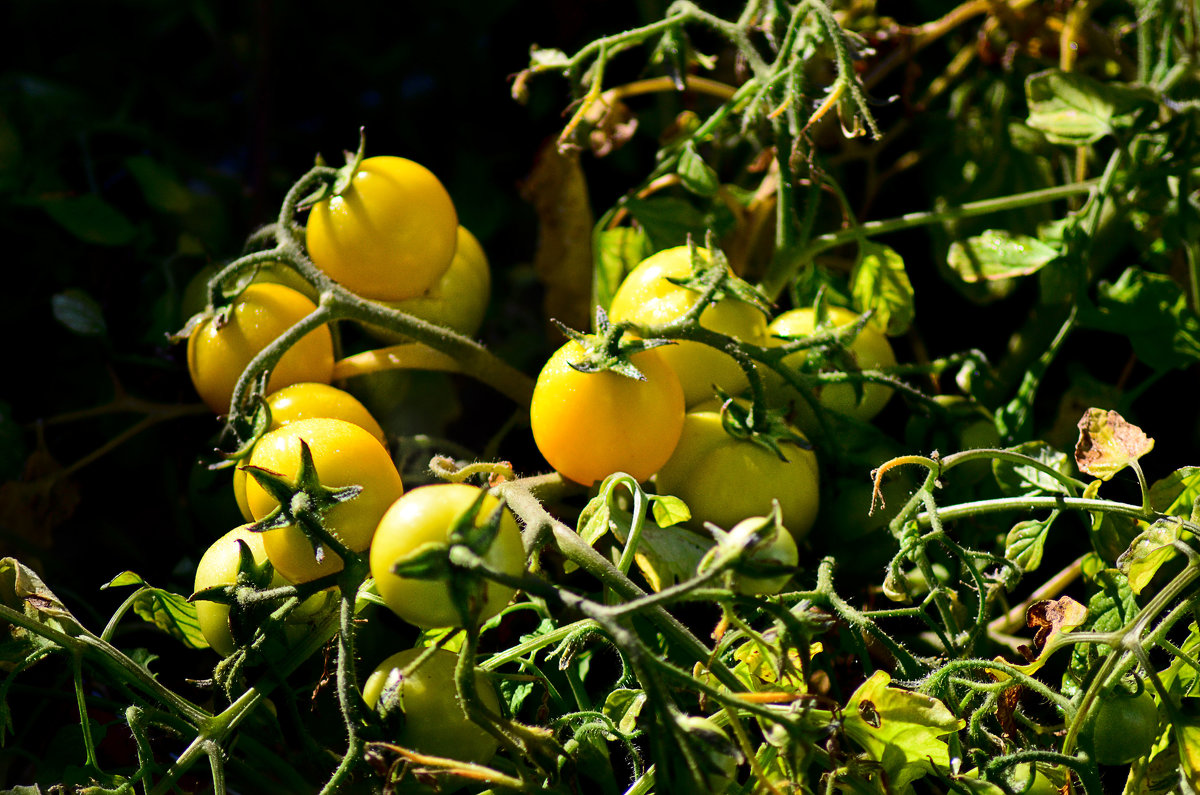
[170, 612]
[1150, 551]
[557, 189]
[1072, 109]
[879, 284]
[622, 707]
[618, 251]
[1111, 607]
[1111, 533]
[1026, 542]
[22, 590]
[668, 220]
[1017, 480]
[1176, 493]
[665, 555]
[79, 313]
[160, 187]
[1186, 733]
[899, 729]
[1051, 617]
[997, 254]
[1152, 311]
[91, 219]
[668, 510]
[1107, 443]
[696, 175]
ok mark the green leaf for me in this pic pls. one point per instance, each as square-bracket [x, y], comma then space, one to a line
[622, 707]
[997, 254]
[160, 187]
[1111, 606]
[1151, 550]
[91, 219]
[1017, 480]
[899, 729]
[79, 312]
[1151, 310]
[1177, 492]
[1073, 109]
[1111, 534]
[668, 509]
[665, 555]
[170, 612]
[879, 284]
[694, 173]
[668, 220]
[1026, 542]
[618, 252]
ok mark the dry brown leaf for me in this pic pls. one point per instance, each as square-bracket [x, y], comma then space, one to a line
[1107, 443]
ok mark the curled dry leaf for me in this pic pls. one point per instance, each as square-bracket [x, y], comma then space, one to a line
[1052, 616]
[1107, 443]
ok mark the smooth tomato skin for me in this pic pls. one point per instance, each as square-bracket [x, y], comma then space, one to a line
[779, 550]
[425, 515]
[1122, 728]
[195, 293]
[344, 455]
[219, 566]
[217, 356]
[870, 349]
[435, 720]
[304, 401]
[724, 480]
[646, 297]
[590, 425]
[390, 235]
[459, 299]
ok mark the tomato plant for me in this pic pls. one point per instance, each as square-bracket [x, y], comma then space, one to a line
[648, 296]
[589, 425]
[428, 515]
[435, 720]
[219, 566]
[1122, 727]
[219, 348]
[390, 235]
[343, 455]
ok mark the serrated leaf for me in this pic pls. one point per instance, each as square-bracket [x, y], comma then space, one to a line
[1111, 533]
[1111, 606]
[1107, 443]
[696, 175]
[1073, 109]
[668, 509]
[997, 254]
[1026, 542]
[879, 284]
[1024, 480]
[78, 312]
[91, 219]
[1150, 551]
[170, 612]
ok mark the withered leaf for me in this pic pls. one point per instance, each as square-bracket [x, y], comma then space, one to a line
[1107, 443]
[1054, 615]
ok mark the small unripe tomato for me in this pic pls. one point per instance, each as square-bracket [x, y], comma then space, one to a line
[219, 566]
[389, 235]
[459, 299]
[870, 349]
[426, 515]
[344, 455]
[1121, 727]
[777, 549]
[217, 355]
[306, 401]
[648, 297]
[724, 479]
[436, 722]
[590, 425]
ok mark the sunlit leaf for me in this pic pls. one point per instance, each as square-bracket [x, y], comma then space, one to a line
[1026, 542]
[622, 706]
[170, 612]
[879, 284]
[1107, 443]
[1186, 732]
[1024, 480]
[1150, 551]
[668, 509]
[665, 555]
[1176, 493]
[1073, 109]
[997, 254]
[618, 251]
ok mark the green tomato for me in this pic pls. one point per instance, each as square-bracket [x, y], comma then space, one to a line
[648, 297]
[870, 350]
[1120, 728]
[777, 548]
[435, 721]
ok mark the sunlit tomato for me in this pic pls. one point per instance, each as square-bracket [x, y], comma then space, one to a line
[778, 549]
[436, 722]
[305, 401]
[390, 235]
[218, 355]
[724, 479]
[344, 455]
[426, 515]
[870, 349]
[647, 297]
[589, 425]
[195, 294]
[459, 299]
[1121, 728]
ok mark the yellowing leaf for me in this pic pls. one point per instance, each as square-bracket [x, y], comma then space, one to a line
[1107, 443]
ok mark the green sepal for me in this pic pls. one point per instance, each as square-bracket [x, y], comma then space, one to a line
[609, 349]
[344, 174]
[716, 276]
[767, 429]
[429, 561]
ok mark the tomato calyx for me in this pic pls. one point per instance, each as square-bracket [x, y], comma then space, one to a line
[610, 348]
[715, 281]
[760, 425]
[302, 503]
[744, 548]
[343, 176]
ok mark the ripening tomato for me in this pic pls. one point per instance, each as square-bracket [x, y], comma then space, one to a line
[435, 721]
[459, 299]
[426, 515]
[648, 297]
[870, 350]
[724, 479]
[390, 235]
[217, 355]
[344, 455]
[590, 425]
[305, 401]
